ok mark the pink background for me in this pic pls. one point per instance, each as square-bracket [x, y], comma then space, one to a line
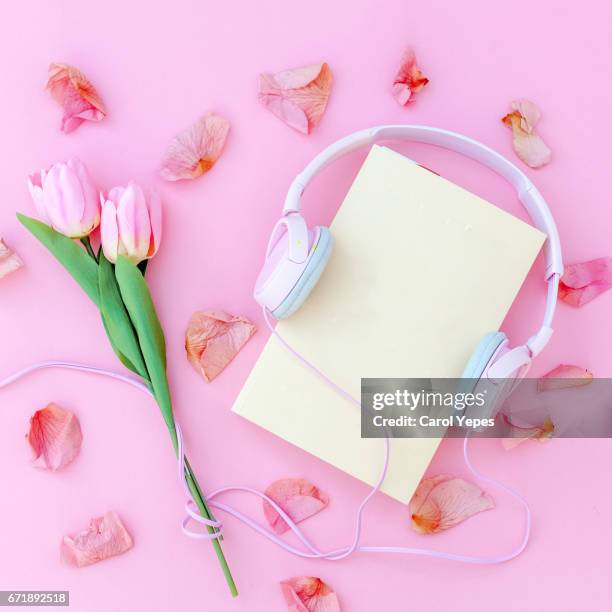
[158, 70]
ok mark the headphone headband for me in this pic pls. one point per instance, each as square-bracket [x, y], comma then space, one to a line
[529, 196]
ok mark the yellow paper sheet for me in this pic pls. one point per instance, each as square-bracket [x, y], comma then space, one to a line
[421, 270]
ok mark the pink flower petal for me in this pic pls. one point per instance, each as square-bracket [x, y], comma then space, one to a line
[299, 96]
[105, 537]
[564, 377]
[155, 216]
[213, 339]
[583, 282]
[297, 497]
[527, 144]
[517, 435]
[529, 112]
[133, 221]
[195, 150]
[55, 437]
[35, 187]
[9, 261]
[72, 90]
[409, 80]
[443, 501]
[109, 229]
[309, 594]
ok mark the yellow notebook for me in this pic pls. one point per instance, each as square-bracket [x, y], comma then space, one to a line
[421, 270]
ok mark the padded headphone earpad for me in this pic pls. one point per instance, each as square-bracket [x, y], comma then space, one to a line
[483, 354]
[315, 264]
[476, 381]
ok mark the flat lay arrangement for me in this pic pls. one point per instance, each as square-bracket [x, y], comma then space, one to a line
[250, 321]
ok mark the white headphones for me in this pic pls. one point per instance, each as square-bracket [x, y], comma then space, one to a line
[296, 255]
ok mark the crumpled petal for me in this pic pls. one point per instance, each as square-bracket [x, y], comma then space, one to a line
[299, 96]
[309, 594]
[529, 112]
[583, 282]
[564, 377]
[443, 501]
[213, 339]
[409, 80]
[72, 90]
[9, 261]
[517, 435]
[297, 497]
[195, 150]
[105, 537]
[55, 437]
[527, 144]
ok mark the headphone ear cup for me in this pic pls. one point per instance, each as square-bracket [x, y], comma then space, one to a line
[284, 283]
[496, 370]
[318, 257]
[487, 350]
[490, 346]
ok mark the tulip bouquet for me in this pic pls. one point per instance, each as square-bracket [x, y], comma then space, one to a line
[113, 277]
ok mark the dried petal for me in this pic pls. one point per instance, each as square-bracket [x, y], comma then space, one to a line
[297, 497]
[72, 90]
[299, 96]
[213, 339]
[9, 261]
[583, 282]
[195, 150]
[409, 80]
[564, 377]
[517, 435]
[529, 112]
[105, 537]
[527, 144]
[55, 437]
[443, 501]
[309, 594]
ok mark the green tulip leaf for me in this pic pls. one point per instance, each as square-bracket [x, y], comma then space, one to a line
[117, 323]
[137, 299]
[77, 262]
[122, 358]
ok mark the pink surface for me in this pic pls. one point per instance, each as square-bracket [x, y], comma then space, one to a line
[159, 69]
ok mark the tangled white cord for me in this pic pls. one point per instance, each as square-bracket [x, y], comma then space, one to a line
[311, 552]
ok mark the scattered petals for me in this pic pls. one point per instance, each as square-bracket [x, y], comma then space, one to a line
[213, 339]
[105, 537]
[583, 282]
[517, 435]
[195, 150]
[9, 261]
[527, 144]
[309, 594]
[409, 80]
[297, 497]
[72, 90]
[299, 96]
[55, 437]
[564, 377]
[443, 501]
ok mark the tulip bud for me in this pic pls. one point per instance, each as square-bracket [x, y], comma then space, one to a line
[66, 198]
[131, 223]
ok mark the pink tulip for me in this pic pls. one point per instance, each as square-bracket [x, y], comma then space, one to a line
[66, 198]
[131, 223]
